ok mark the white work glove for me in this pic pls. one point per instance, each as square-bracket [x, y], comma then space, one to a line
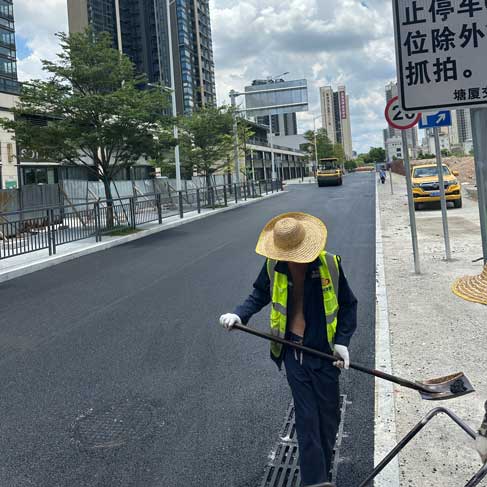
[229, 319]
[341, 352]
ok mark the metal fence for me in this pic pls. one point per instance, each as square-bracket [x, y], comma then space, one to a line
[26, 231]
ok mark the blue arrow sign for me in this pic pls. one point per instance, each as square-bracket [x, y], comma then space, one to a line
[432, 120]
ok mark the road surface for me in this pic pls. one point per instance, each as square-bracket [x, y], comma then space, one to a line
[123, 347]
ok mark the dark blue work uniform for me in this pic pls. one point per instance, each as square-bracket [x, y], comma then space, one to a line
[313, 381]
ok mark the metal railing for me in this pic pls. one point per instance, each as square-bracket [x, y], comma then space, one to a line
[31, 230]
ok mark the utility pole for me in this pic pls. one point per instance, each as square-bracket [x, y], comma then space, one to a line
[173, 95]
[172, 88]
[271, 145]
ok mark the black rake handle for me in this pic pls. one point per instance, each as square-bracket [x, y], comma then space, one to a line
[317, 353]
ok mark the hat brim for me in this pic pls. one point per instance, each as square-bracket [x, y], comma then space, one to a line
[307, 251]
[472, 288]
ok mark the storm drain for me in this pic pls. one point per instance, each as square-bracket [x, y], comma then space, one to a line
[283, 469]
[113, 426]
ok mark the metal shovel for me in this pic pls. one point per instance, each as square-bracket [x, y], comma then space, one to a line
[448, 387]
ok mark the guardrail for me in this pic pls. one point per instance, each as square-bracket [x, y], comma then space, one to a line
[31, 230]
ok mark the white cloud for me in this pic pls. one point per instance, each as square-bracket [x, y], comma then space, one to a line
[326, 41]
[36, 25]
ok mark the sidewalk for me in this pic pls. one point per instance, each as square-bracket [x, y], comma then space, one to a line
[433, 333]
[306, 180]
[13, 267]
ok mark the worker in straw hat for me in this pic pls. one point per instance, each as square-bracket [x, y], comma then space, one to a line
[312, 304]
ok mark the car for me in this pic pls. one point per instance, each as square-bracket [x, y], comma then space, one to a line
[426, 187]
[329, 172]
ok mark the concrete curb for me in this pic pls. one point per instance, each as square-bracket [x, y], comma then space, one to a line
[97, 247]
[385, 410]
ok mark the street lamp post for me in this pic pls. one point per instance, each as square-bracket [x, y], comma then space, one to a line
[233, 101]
[315, 143]
[172, 87]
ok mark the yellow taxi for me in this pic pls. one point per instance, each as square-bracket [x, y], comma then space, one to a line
[426, 188]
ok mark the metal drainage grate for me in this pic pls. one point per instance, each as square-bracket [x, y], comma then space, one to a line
[283, 470]
[113, 426]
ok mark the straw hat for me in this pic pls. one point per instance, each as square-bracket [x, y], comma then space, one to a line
[292, 237]
[472, 288]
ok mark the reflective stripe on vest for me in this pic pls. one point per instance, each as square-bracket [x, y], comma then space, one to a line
[329, 276]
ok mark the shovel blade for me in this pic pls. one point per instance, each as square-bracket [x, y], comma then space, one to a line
[448, 387]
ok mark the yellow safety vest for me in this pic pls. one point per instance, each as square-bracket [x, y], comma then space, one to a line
[329, 274]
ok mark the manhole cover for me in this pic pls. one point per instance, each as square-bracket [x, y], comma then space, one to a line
[113, 426]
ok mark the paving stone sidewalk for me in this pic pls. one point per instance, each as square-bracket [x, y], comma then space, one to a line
[434, 333]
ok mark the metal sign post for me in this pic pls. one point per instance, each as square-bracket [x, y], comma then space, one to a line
[444, 217]
[390, 178]
[440, 56]
[412, 216]
[479, 131]
[401, 120]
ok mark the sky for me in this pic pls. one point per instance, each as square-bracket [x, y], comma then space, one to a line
[328, 42]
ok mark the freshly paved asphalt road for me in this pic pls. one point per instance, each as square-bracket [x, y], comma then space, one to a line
[137, 324]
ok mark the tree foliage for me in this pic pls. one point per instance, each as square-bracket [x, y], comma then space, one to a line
[339, 153]
[324, 146]
[206, 140]
[98, 116]
[377, 154]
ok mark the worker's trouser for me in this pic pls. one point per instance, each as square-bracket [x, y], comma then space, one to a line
[315, 389]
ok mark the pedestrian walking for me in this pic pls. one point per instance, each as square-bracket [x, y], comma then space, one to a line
[312, 304]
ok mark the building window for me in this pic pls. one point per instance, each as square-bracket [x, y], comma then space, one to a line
[39, 175]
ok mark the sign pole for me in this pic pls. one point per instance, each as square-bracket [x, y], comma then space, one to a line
[390, 177]
[444, 217]
[412, 216]
[479, 129]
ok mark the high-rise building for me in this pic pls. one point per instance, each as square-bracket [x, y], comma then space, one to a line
[8, 57]
[335, 113]
[283, 124]
[9, 89]
[139, 29]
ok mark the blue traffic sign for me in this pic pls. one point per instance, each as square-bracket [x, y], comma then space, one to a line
[432, 120]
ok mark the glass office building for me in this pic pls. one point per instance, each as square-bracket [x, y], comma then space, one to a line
[139, 27]
[8, 62]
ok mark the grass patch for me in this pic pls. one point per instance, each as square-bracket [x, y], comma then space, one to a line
[122, 232]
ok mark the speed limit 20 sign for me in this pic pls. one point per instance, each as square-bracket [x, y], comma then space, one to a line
[399, 119]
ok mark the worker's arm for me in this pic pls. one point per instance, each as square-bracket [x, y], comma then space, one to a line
[260, 297]
[347, 313]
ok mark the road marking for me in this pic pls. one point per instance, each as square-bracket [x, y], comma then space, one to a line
[385, 416]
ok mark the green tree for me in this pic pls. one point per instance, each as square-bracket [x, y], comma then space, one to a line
[324, 146]
[350, 165]
[98, 117]
[244, 134]
[445, 153]
[206, 140]
[377, 154]
[339, 153]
